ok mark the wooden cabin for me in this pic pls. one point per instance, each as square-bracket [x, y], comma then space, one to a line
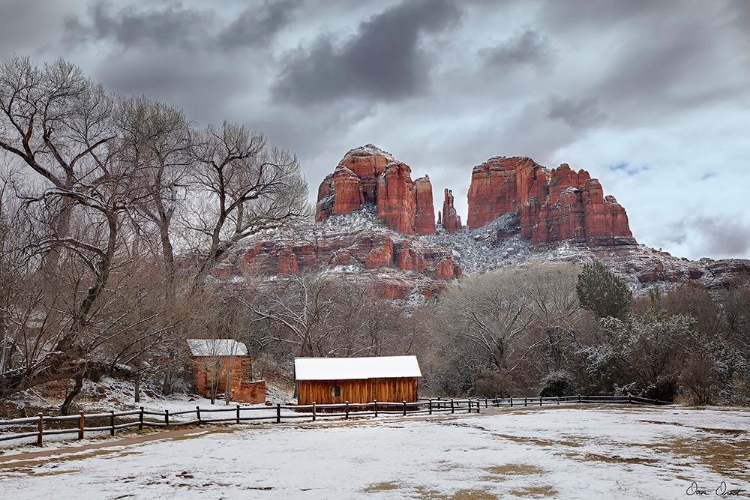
[222, 365]
[356, 380]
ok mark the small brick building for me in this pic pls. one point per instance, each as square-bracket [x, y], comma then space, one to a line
[224, 366]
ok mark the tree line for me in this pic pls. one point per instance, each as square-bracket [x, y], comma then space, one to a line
[556, 329]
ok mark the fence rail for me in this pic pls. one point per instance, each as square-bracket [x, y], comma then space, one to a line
[21, 428]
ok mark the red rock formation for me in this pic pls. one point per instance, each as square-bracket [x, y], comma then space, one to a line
[370, 175]
[451, 222]
[446, 269]
[396, 200]
[381, 256]
[552, 206]
[348, 192]
[502, 185]
[424, 216]
[367, 163]
[403, 264]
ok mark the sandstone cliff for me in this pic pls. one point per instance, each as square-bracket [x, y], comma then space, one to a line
[499, 244]
[369, 175]
[356, 246]
[552, 206]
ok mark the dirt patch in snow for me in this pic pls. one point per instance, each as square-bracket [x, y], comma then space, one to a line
[35, 458]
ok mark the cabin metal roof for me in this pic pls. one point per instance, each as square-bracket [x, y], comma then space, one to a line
[356, 368]
[216, 347]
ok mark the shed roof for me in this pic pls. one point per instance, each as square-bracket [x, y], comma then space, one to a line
[216, 347]
[356, 368]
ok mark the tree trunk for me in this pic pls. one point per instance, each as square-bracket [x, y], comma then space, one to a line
[65, 408]
[62, 230]
[166, 388]
[228, 390]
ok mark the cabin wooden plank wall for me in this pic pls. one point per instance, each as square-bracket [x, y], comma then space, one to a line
[358, 391]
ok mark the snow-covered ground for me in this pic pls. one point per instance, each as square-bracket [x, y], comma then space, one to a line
[562, 452]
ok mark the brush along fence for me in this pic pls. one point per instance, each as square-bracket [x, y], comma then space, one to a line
[98, 424]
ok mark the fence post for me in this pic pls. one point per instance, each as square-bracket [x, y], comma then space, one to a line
[630, 399]
[375, 402]
[166, 418]
[140, 420]
[198, 414]
[525, 402]
[81, 425]
[469, 400]
[579, 398]
[478, 406]
[404, 408]
[429, 405]
[238, 414]
[540, 401]
[111, 423]
[40, 431]
[485, 403]
[511, 401]
[278, 413]
[346, 409]
[453, 409]
[314, 411]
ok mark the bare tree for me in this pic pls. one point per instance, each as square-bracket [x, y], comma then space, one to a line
[550, 293]
[302, 309]
[244, 187]
[491, 313]
[507, 329]
[57, 122]
[156, 143]
[88, 251]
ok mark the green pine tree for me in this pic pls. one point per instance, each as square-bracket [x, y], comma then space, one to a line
[602, 292]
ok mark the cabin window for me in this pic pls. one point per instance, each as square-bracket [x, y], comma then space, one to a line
[336, 390]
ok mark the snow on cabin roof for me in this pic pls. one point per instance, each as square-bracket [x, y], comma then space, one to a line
[356, 368]
[216, 347]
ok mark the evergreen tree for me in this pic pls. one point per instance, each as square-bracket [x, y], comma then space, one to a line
[602, 292]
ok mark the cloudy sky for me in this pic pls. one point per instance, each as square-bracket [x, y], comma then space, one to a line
[651, 97]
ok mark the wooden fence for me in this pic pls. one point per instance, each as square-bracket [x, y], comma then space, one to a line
[40, 426]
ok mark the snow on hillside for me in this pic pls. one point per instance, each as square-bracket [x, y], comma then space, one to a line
[567, 453]
[481, 250]
[499, 244]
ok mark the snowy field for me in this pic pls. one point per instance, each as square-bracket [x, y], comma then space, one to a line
[559, 452]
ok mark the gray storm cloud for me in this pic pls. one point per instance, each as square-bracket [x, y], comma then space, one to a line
[383, 61]
[129, 26]
[723, 236]
[256, 26]
[176, 25]
[578, 113]
[528, 47]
